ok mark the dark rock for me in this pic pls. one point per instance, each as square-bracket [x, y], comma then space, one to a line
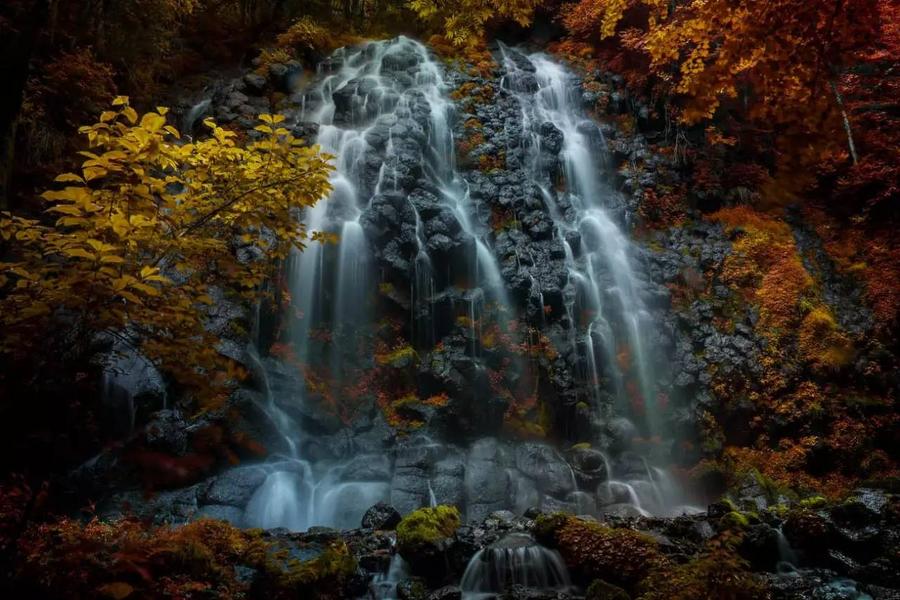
[413, 588]
[167, 432]
[448, 592]
[546, 467]
[222, 512]
[381, 516]
[255, 83]
[235, 487]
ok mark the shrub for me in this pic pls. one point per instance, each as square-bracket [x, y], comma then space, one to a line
[718, 573]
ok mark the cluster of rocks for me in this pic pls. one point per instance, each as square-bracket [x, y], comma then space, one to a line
[487, 476]
[844, 551]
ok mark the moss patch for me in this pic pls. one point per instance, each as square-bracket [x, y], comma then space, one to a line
[421, 530]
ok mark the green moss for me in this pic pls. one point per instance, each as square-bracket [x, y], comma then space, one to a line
[334, 564]
[420, 530]
[398, 357]
[814, 502]
[546, 527]
[737, 519]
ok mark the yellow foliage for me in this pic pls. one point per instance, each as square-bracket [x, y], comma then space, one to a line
[306, 34]
[269, 57]
[145, 228]
[465, 20]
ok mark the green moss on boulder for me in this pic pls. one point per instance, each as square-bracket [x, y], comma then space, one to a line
[425, 535]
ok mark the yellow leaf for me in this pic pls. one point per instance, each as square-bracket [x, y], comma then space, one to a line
[112, 258]
[71, 194]
[66, 210]
[130, 297]
[147, 289]
[152, 122]
[120, 100]
[130, 114]
[148, 271]
[79, 253]
[263, 128]
[158, 278]
[68, 177]
[121, 283]
[277, 118]
[94, 172]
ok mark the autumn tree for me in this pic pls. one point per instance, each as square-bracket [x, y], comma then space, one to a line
[775, 62]
[463, 20]
[143, 232]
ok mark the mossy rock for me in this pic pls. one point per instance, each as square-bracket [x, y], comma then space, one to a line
[424, 536]
[321, 577]
[601, 590]
[592, 551]
[814, 502]
[546, 527]
[717, 573]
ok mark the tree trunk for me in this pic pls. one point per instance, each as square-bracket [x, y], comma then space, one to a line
[846, 119]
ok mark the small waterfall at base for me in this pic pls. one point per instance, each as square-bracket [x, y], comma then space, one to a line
[384, 585]
[515, 560]
[787, 559]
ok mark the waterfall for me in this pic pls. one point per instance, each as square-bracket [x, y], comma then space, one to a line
[515, 560]
[606, 271]
[402, 211]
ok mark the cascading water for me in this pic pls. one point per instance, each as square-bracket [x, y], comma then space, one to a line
[382, 112]
[515, 560]
[604, 269]
[400, 202]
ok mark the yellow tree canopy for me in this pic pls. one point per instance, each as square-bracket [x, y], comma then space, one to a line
[143, 230]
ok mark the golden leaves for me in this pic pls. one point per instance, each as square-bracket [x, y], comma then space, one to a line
[148, 206]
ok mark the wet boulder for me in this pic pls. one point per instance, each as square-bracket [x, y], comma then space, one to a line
[546, 467]
[551, 137]
[487, 481]
[235, 487]
[425, 536]
[381, 516]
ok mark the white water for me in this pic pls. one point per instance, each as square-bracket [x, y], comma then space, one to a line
[605, 271]
[384, 585]
[515, 560]
[298, 495]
